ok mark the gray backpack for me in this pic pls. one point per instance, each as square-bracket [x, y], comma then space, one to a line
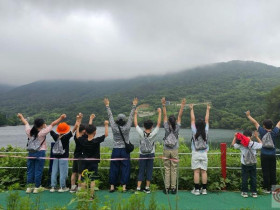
[171, 140]
[267, 141]
[249, 157]
[34, 144]
[199, 143]
[146, 144]
[58, 147]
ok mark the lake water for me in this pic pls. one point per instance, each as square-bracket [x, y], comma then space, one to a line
[15, 136]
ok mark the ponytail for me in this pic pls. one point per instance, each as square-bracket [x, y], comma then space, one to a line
[172, 122]
[200, 129]
[37, 124]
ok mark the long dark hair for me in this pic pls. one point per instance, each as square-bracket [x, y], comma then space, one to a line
[37, 124]
[172, 121]
[200, 129]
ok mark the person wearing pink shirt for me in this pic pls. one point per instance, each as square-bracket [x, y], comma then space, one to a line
[35, 166]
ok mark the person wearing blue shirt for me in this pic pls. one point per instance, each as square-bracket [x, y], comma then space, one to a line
[268, 155]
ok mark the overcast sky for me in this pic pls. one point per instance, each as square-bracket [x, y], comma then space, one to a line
[122, 39]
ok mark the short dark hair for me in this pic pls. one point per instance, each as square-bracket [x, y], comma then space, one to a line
[247, 133]
[82, 128]
[268, 124]
[90, 129]
[148, 124]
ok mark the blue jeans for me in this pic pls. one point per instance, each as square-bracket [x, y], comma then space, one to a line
[62, 166]
[146, 166]
[119, 166]
[35, 168]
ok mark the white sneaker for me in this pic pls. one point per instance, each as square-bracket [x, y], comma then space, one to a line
[204, 192]
[73, 188]
[195, 192]
[244, 195]
[52, 190]
[36, 190]
[254, 195]
[65, 189]
[29, 190]
[266, 191]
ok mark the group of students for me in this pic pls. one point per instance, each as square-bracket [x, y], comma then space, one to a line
[88, 146]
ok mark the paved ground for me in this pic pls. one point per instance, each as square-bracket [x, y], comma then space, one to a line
[222, 200]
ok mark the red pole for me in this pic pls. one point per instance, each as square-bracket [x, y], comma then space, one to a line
[224, 159]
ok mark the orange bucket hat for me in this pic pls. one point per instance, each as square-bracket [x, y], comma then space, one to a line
[63, 128]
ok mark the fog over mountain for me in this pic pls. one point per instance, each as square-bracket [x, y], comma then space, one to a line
[101, 40]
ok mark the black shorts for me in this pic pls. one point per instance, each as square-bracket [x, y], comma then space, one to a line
[77, 166]
[92, 167]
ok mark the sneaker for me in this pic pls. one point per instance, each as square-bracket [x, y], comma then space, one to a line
[52, 190]
[36, 190]
[244, 195]
[173, 191]
[254, 195]
[138, 191]
[266, 191]
[195, 192]
[29, 190]
[166, 191]
[204, 192]
[65, 189]
[73, 189]
[147, 190]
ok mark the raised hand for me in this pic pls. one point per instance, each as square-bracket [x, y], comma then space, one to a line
[159, 110]
[20, 116]
[248, 113]
[183, 103]
[208, 106]
[163, 101]
[106, 101]
[135, 101]
[191, 106]
[63, 116]
[92, 116]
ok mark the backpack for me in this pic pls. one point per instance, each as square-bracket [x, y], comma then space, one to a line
[171, 139]
[249, 158]
[199, 143]
[33, 144]
[146, 144]
[58, 147]
[267, 141]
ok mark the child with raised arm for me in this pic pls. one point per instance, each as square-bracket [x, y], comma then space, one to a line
[146, 150]
[248, 161]
[91, 149]
[199, 146]
[268, 135]
[77, 168]
[60, 164]
[35, 167]
[121, 129]
[171, 145]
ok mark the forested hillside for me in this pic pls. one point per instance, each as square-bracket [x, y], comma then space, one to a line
[231, 87]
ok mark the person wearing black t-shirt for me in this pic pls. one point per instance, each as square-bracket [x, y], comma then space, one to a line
[91, 149]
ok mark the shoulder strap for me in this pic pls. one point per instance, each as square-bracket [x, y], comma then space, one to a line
[121, 133]
[43, 142]
[251, 148]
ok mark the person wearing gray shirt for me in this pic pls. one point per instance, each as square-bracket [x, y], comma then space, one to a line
[120, 166]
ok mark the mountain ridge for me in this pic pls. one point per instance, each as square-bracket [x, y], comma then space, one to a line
[230, 86]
